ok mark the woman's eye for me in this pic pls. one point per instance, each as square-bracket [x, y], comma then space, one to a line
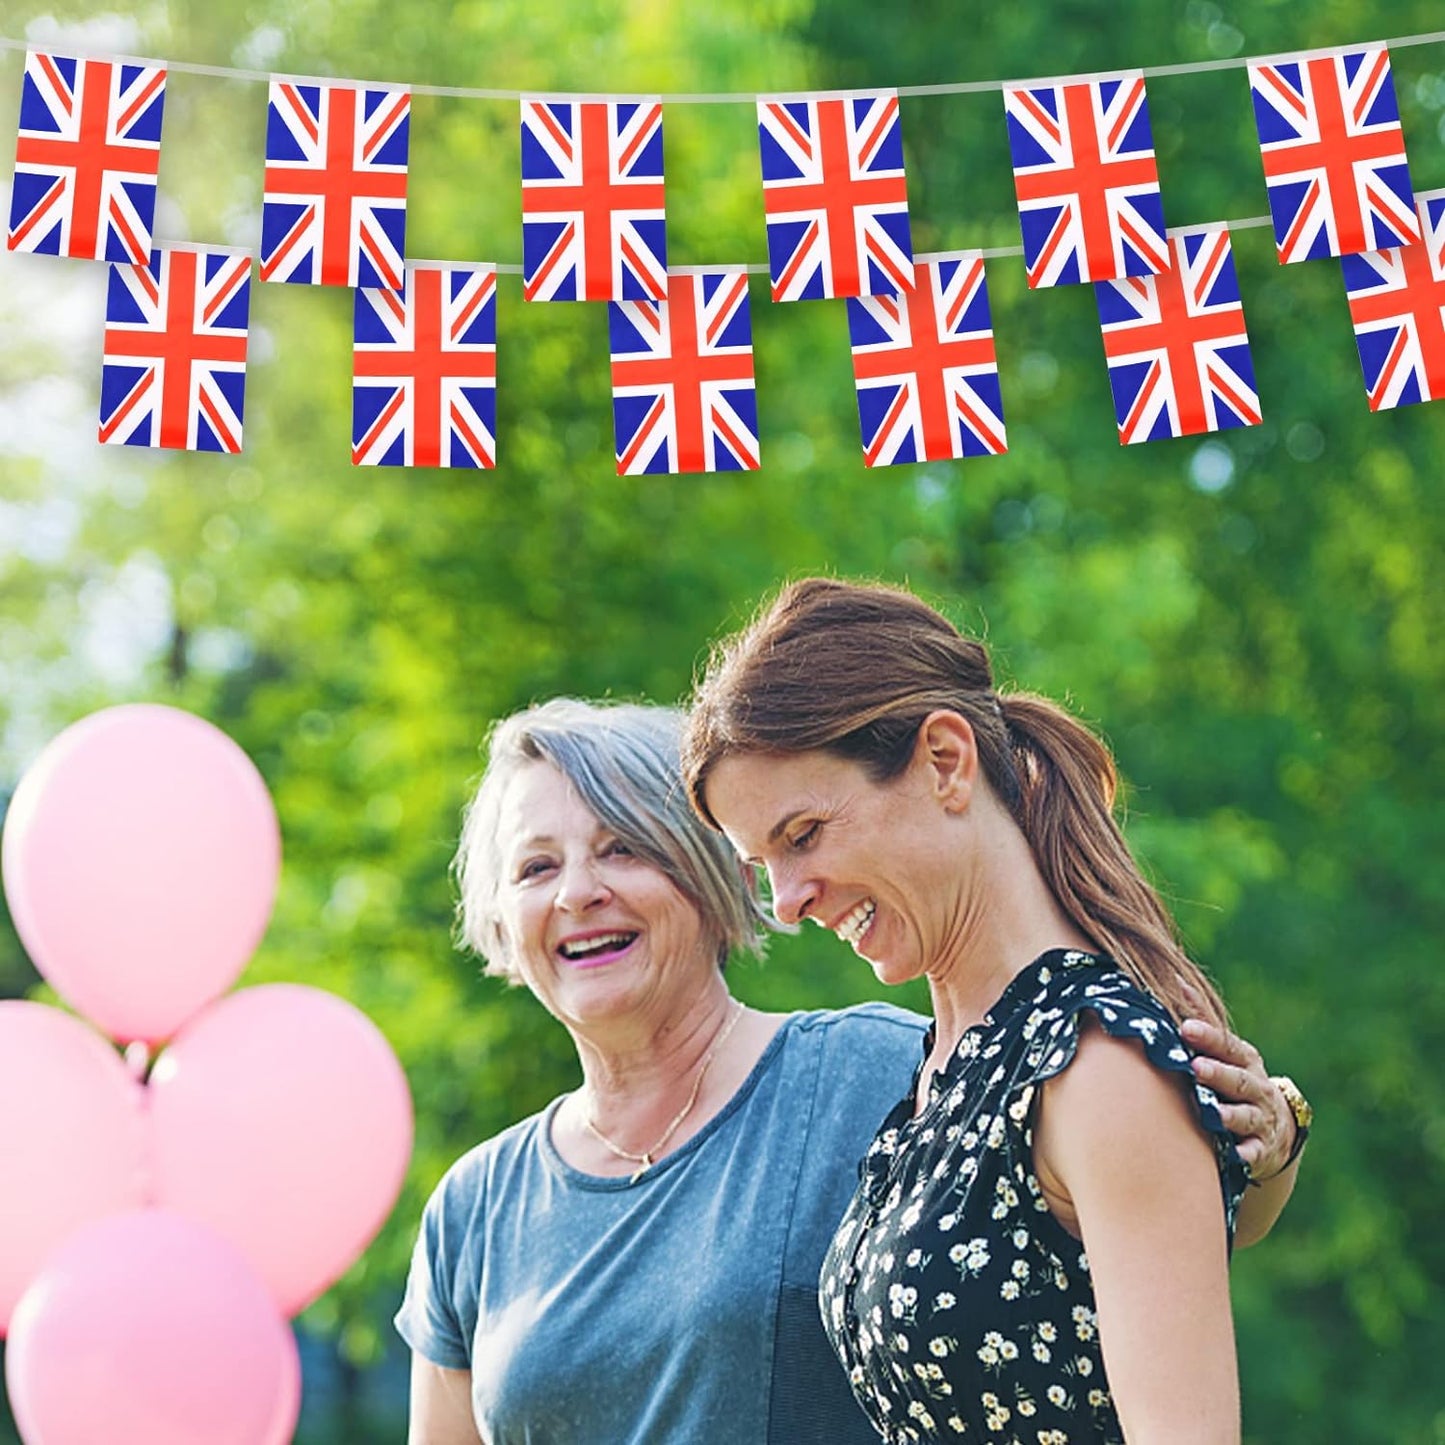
[534, 867]
[806, 838]
[618, 849]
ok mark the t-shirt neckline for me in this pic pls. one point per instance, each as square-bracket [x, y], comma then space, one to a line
[608, 1182]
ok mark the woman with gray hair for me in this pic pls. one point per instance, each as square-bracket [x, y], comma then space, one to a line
[639, 1261]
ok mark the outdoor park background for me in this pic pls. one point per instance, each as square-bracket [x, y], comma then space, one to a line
[1254, 620]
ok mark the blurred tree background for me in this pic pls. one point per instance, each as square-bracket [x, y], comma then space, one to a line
[1250, 618]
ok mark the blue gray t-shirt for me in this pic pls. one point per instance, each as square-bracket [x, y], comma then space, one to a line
[681, 1309]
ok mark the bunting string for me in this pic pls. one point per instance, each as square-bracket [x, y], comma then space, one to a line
[465, 92]
[836, 212]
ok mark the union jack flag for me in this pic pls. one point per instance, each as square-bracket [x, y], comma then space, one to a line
[593, 226]
[174, 372]
[1177, 349]
[1334, 155]
[333, 211]
[925, 369]
[1087, 184]
[1397, 302]
[424, 369]
[835, 197]
[86, 158]
[683, 398]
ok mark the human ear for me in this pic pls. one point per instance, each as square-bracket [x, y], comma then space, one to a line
[948, 753]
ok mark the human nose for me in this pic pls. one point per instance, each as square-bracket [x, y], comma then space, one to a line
[581, 886]
[793, 896]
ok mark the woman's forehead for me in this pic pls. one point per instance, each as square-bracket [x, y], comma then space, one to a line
[758, 792]
[539, 800]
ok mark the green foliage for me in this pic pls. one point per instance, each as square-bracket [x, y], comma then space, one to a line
[1251, 619]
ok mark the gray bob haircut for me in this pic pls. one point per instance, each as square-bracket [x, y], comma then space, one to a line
[622, 758]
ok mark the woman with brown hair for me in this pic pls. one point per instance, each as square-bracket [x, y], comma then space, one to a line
[1038, 1247]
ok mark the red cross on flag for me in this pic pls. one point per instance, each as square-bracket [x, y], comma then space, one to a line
[924, 367]
[835, 196]
[593, 221]
[1334, 154]
[683, 397]
[174, 372]
[334, 208]
[86, 158]
[1087, 183]
[1177, 349]
[1397, 307]
[424, 370]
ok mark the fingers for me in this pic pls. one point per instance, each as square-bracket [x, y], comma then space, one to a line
[1221, 1044]
[1261, 1123]
[1235, 1082]
[1252, 1152]
[1250, 1105]
[1247, 1125]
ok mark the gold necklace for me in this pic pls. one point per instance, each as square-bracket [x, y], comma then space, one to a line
[648, 1157]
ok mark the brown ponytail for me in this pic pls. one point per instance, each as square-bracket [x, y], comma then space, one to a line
[1068, 787]
[854, 669]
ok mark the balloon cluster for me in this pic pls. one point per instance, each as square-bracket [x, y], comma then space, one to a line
[163, 1213]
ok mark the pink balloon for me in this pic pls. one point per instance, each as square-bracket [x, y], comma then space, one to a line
[71, 1136]
[148, 1329]
[282, 1119]
[140, 858]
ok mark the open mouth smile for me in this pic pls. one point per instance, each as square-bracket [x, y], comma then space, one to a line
[596, 948]
[855, 923]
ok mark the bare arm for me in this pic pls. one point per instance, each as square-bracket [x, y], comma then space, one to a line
[1256, 1113]
[1152, 1223]
[441, 1406]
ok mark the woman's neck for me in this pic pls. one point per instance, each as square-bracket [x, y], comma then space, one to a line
[640, 1103]
[630, 1074]
[1011, 918]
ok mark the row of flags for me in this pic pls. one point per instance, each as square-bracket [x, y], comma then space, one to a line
[836, 210]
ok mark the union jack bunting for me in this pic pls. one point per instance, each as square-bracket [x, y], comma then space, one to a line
[1087, 184]
[925, 369]
[683, 398]
[1334, 155]
[333, 211]
[1177, 349]
[424, 371]
[86, 158]
[1397, 300]
[593, 226]
[174, 354]
[835, 197]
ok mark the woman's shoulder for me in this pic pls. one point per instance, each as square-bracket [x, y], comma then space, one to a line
[1076, 986]
[465, 1182]
[873, 1019]
[862, 1037]
[862, 1057]
[1086, 989]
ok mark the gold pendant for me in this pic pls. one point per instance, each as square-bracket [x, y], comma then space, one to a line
[642, 1168]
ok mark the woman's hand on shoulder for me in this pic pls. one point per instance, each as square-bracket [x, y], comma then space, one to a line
[1253, 1110]
[1126, 1166]
[1257, 1114]
[441, 1406]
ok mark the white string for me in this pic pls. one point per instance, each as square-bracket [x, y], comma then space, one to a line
[967, 87]
[752, 269]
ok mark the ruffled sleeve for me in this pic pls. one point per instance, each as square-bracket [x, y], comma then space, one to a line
[1125, 1011]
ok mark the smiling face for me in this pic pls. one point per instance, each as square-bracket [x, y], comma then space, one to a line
[880, 864]
[594, 931]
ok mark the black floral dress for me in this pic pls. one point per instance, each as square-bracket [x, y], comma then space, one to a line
[960, 1307]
